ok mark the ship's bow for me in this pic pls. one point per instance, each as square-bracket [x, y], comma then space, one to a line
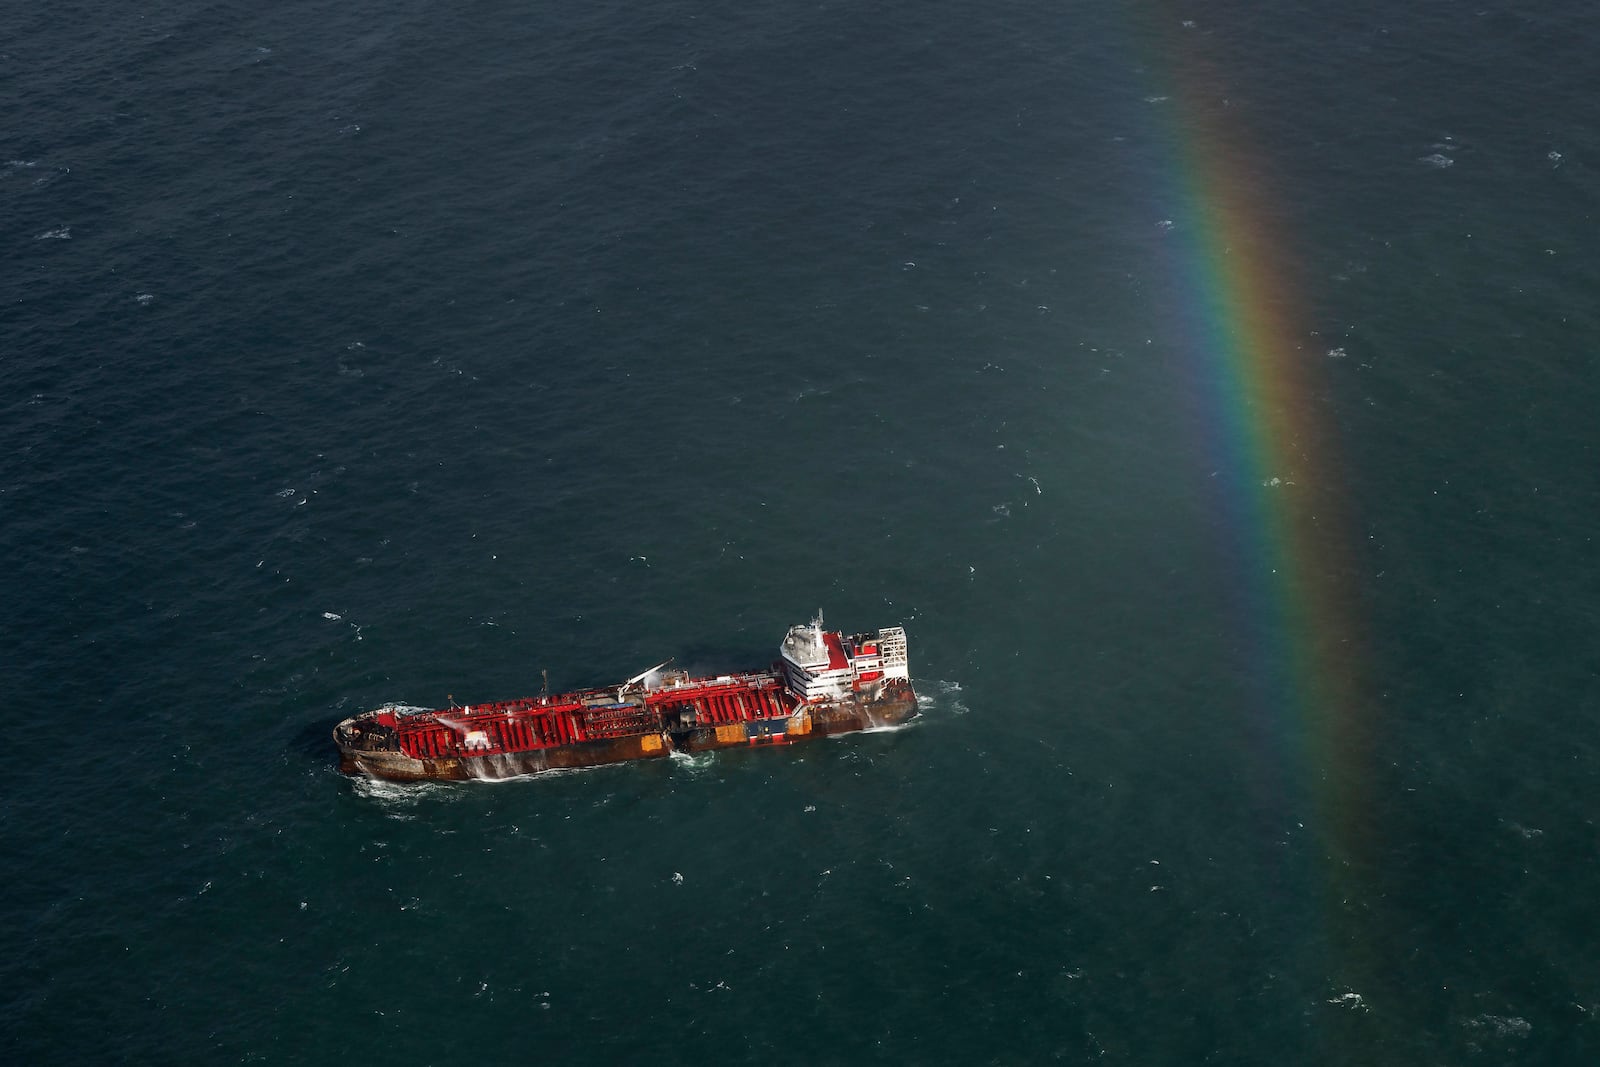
[370, 744]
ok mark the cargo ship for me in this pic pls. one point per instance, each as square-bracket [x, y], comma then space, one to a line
[823, 683]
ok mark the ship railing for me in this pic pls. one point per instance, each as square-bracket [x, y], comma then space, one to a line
[524, 706]
[619, 722]
[742, 683]
[892, 649]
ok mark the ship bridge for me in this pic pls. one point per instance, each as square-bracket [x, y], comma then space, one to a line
[821, 665]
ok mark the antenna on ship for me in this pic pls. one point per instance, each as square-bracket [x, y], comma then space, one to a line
[545, 674]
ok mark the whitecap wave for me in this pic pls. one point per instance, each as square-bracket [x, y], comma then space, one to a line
[944, 696]
[693, 762]
[398, 797]
[1502, 1025]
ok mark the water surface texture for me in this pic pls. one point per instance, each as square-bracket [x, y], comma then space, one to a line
[1208, 388]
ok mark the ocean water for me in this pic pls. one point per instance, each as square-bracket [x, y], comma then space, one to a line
[363, 352]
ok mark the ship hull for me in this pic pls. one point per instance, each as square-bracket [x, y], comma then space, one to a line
[806, 724]
[825, 683]
[399, 767]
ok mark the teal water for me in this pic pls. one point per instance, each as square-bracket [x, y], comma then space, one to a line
[366, 352]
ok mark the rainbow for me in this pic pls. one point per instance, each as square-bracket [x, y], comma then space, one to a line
[1258, 379]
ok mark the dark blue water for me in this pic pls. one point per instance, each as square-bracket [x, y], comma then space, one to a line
[359, 352]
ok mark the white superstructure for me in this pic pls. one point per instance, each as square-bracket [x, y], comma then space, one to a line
[820, 665]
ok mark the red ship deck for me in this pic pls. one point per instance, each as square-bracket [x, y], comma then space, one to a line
[534, 723]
